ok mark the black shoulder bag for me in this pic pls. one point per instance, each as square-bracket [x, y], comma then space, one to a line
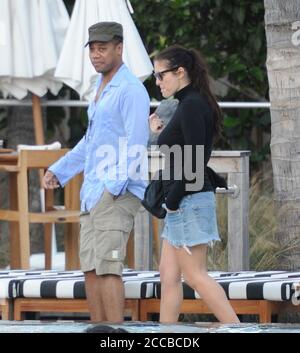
[154, 197]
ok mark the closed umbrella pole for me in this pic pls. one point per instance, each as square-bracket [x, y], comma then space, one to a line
[39, 136]
[38, 120]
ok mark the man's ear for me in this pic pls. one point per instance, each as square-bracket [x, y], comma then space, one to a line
[120, 48]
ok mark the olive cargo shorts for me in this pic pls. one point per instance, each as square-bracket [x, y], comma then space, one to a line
[104, 233]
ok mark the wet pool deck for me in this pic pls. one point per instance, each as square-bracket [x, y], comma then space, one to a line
[145, 327]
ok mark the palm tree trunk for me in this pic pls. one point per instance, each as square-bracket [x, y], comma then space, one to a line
[283, 64]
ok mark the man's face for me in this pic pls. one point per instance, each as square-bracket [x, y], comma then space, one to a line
[105, 56]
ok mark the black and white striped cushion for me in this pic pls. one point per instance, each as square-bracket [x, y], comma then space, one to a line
[141, 285]
[9, 280]
[276, 286]
[138, 284]
[269, 285]
[7, 287]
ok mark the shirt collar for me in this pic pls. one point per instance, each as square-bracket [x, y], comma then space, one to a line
[184, 91]
[117, 77]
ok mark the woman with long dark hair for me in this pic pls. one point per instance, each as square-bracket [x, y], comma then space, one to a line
[190, 224]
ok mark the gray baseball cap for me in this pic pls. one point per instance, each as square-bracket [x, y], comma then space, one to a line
[104, 32]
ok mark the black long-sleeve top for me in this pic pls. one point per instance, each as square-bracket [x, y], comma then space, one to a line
[192, 124]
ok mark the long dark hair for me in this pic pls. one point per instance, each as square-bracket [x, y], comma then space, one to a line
[195, 65]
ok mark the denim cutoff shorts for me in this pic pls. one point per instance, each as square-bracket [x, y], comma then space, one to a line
[194, 223]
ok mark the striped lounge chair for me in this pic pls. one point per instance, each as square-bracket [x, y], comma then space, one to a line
[66, 292]
[8, 288]
[250, 292]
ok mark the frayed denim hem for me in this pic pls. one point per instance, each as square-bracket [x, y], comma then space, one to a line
[186, 247]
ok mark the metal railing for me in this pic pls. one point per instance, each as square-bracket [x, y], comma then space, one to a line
[74, 103]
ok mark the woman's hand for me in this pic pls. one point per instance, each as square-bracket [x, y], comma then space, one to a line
[172, 211]
[156, 124]
[168, 210]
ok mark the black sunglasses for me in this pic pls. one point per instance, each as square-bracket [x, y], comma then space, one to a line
[160, 75]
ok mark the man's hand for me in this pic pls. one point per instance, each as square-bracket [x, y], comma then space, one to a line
[50, 181]
[156, 124]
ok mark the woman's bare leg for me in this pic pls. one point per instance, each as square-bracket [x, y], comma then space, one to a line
[171, 286]
[193, 267]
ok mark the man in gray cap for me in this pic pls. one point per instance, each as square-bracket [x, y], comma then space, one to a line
[112, 190]
[105, 32]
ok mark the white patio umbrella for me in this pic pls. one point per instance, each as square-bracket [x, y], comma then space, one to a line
[74, 67]
[31, 37]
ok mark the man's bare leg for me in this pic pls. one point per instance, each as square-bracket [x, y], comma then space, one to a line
[93, 284]
[105, 297]
[113, 297]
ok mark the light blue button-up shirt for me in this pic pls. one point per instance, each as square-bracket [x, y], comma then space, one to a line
[111, 152]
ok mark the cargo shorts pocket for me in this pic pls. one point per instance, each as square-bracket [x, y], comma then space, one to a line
[112, 225]
[112, 232]
[112, 246]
